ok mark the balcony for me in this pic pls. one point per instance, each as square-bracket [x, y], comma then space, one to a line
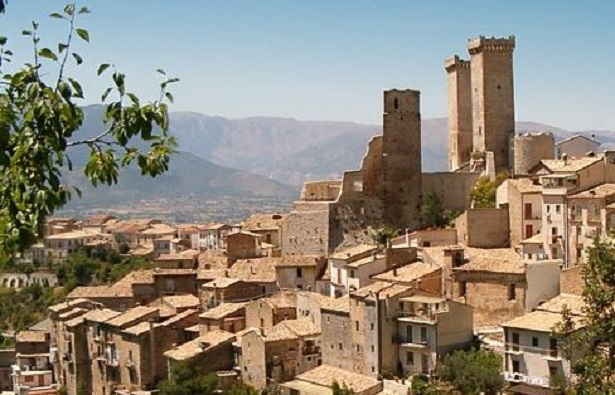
[523, 378]
[310, 350]
[411, 343]
[425, 316]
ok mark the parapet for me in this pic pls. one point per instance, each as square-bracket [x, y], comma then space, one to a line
[455, 63]
[491, 44]
[402, 100]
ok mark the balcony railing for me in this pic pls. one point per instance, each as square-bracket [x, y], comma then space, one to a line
[310, 350]
[417, 315]
[516, 377]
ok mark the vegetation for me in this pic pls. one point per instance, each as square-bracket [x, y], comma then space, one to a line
[591, 350]
[186, 379]
[382, 235]
[20, 309]
[341, 389]
[39, 120]
[484, 192]
[473, 372]
[432, 213]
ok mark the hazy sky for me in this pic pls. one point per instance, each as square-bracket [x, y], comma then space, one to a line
[331, 59]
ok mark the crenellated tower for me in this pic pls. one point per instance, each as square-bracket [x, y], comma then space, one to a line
[493, 104]
[459, 112]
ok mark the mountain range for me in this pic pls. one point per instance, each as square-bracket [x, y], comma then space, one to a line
[263, 156]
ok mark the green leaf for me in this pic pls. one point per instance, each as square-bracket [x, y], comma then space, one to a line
[169, 96]
[85, 36]
[84, 10]
[62, 47]
[161, 71]
[105, 94]
[133, 97]
[34, 25]
[47, 53]
[78, 58]
[69, 9]
[102, 68]
[77, 87]
[26, 32]
[3, 40]
[56, 15]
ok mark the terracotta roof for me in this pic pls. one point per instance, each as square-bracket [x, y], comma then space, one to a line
[221, 282]
[212, 259]
[138, 277]
[70, 314]
[325, 375]
[282, 300]
[102, 291]
[100, 315]
[601, 191]
[176, 320]
[436, 256]
[132, 315]
[384, 290]
[245, 233]
[181, 301]
[525, 185]
[159, 229]
[302, 327]
[540, 321]
[194, 328]
[75, 234]
[260, 270]
[139, 329]
[183, 255]
[495, 260]
[31, 337]
[174, 272]
[367, 260]
[571, 281]
[340, 305]
[555, 305]
[408, 273]
[278, 333]
[211, 274]
[536, 239]
[199, 345]
[569, 165]
[69, 304]
[263, 222]
[349, 253]
[222, 310]
[298, 261]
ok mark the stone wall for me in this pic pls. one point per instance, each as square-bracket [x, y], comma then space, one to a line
[483, 228]
[306, 230]
[321, 190]
[459, 111]
[453, 189]
[337, 340]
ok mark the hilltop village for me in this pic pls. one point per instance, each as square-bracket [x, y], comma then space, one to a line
[303, 299]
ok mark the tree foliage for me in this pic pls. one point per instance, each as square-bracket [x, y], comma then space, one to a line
[186, 379]
[484, 192]
[341, 389]
[39, 122]
[432, 213]
[591, 350]
[473, 372]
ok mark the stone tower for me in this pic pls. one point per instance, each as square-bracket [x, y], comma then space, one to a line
[401, 158]
[493, 105]
[459, 112]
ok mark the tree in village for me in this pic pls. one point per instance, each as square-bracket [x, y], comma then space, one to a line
[432, 213]
[40, 119]
[484, 192]
[591, 349]
[186, 379]
[473, 372]
[341, 389]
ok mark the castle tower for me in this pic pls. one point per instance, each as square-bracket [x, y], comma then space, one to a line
[401, 158]
[459, 112]
[493, 104]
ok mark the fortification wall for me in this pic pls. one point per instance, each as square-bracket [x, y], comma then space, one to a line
[453, 189]
[306, 230]
[328, 190]
[530, 148]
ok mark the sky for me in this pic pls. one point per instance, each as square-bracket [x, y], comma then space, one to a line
[331, 59]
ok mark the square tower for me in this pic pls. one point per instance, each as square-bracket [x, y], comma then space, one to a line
[460, 140]
[493, 104]
[401, 158]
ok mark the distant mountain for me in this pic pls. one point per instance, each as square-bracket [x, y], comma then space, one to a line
[293, 151]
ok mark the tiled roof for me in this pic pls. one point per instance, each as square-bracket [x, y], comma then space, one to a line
[222, 310]
[325, 375]
[571, 281]
[574, 302]
[340, 305]
[569, 165]
[278, 333]
[139, 329]
[131, 316]
[221, 282]
[282, 300]
[69, 304]
[495, 260]
[367, 260]
[302, 327]
[350, 252]
[181, 301]
[601, 191]
[536, 239]
[75, 234]
[384, 290]
[298, 261]
[540, 321]
[100, 315]
[101, 291]
[31, 337]
[199, 345]
[408, 273]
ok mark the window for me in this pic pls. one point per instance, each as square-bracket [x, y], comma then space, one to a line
[548, 208]
[423, 334]
[351, 274]
[356, 325]
[512, 290]
[515, 366]
[534, 342]
[558, 208]
[299, 272]
[515, 341]
[527, 211]
[409, 334]
[328, 319]
[358, 347]
[340, 346]
[554, 231]
[409, 358]
[462, 288]
[552, 371]
[553, 347]
[371, 326]
[373, 349]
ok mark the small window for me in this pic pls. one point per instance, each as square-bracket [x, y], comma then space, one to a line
[299, 272]
[512, 290]
[410, 358]
[371, 326]
[462, 288]
[356, 325]
[351, 274]
[358, 348]
[373, 349]
[340, 346]
[558, 208]
[534, 342]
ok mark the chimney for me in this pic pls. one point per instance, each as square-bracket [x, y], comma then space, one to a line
[565, 158]
[395, 272]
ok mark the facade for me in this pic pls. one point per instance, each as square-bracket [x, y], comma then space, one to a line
[32, 372]
[299, 272]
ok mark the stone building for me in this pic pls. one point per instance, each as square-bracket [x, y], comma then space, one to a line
[229, 317]
[577, 146]
[32, 372]
[266, 225]
[226, 290]
[461, 142]
[267, 312]
[320, 380]
[299, 272]
[209, 353]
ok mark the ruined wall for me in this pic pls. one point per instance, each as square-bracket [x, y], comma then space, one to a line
[453, 189]
[493, 104]
[321, 190]
[459, 112]
[483, 228]
[253, 360]
[336, 340]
